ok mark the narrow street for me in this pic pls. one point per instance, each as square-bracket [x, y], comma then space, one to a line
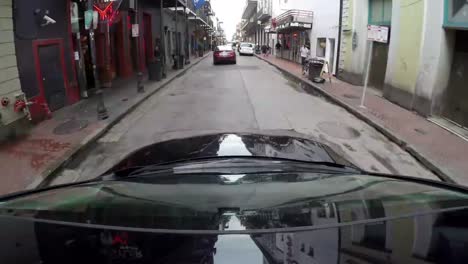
[251, 96]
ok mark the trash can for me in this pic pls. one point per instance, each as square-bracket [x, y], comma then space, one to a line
[155, 70]
[200, 53]
[315, 68]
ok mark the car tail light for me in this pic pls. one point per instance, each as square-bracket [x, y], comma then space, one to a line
[216, 53]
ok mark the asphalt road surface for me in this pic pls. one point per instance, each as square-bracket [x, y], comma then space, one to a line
[251, 96]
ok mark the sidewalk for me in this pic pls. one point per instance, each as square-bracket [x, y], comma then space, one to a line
[27, 162]
[436, 148]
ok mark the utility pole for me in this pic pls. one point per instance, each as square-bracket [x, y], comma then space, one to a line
[101, 108]
[163, 42]
[177, 50]
[187, 36]
[140, 86]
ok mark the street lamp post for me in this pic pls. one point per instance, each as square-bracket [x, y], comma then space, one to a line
[163, 41]
[187, 36]
[258, 29]
[177, 40]
[140, 86]
[101, 108]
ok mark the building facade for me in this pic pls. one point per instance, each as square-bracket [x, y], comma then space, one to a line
[293, 24]
[424, 65]
[10, 87]
[70, 48]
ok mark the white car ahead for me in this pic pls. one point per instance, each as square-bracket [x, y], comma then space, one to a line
[246, 49]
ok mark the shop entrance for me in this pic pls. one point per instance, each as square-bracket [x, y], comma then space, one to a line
[456, 103]
[291, 44]
[52, 75]
[379, 65]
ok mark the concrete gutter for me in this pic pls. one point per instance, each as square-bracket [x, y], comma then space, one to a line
[49, 173]
[427, 162]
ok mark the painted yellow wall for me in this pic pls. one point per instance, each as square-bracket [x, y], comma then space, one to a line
[409, 45]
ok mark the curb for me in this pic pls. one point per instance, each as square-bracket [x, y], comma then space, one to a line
[425, 161]
[49, 174]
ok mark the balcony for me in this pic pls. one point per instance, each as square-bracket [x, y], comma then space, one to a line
[294, 20]
[264, 10]
[249, 9]
[249, 24]
[263, 14]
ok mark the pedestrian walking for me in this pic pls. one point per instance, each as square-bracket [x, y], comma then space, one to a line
[304, 55]
[278, 45]
[264, 50]
[157, 48]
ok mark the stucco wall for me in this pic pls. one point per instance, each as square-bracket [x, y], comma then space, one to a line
[325, 25]
[9, 79]
[405, 66]
[354, 41]
[436, 58]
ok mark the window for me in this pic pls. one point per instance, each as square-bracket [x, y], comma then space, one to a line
[321, 47]
[455, 14]
[380, 12]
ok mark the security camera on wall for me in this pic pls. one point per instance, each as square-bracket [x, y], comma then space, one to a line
[44, 18]
[48, 20]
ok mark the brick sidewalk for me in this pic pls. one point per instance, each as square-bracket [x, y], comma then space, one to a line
[438, 149]
[28, 161]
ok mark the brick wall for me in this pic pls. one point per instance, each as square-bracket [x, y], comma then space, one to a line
[9, 79]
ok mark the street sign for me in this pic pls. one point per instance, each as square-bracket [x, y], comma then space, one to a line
[88, 19]
[135, 30]
[377, 33]
[95, 19]
[74, 18]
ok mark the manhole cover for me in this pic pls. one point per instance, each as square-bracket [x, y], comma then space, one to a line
[338, 130]
[351, 96]
[70, 126]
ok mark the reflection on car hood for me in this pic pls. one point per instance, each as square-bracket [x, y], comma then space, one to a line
[226, 145]
[269, 218]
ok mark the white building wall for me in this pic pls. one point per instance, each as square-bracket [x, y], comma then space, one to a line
[436, 57]
[325, 25]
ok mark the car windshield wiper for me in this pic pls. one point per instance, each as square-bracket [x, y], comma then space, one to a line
[240, 161]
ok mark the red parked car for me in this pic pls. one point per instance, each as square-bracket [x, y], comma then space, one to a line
[224, 54]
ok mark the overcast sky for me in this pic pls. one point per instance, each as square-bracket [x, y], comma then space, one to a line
[230, 12]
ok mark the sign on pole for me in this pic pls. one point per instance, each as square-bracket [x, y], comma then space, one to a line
[377, 33]
[88, 15]
[135, 30]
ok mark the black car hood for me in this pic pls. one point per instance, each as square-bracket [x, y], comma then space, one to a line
[228, 145]
[278, 218]
[177, 216]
